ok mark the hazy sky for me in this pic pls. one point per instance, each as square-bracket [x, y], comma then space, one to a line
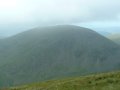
[19, 15]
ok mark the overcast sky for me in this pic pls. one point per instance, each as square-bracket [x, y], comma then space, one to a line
[19, 15]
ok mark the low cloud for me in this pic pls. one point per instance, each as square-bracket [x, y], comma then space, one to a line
[50, 12]
[62, 11]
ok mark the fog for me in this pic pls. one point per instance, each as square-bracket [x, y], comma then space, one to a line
[20, 15]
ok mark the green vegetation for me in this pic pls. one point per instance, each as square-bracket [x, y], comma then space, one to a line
[104, 81]
[55, 52]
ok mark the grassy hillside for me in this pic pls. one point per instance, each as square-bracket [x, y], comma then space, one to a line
[104, 81]
[115, 38]
[55, 52]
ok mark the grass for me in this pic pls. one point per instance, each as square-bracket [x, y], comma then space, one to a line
[104, 81]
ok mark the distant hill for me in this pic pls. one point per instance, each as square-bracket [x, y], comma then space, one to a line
[115, 38]
[104, 81]
[104, 33]
[55, 52]
[109, 29]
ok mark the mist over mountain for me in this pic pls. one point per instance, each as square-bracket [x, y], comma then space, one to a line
[112, 30]
[6, 32]
[104, 33]
[115, 38]
[55, 52]
[1, 37]
[72, 38]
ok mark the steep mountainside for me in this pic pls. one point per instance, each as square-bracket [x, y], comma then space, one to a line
[55, 52]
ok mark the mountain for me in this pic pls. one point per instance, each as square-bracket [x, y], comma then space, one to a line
[115, 38]
[55, 52]
[104, 81]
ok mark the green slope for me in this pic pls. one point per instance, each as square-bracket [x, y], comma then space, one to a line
[55, 52]
[115, 38]
[104, 81]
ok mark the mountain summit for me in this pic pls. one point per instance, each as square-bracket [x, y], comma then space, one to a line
[55, 52]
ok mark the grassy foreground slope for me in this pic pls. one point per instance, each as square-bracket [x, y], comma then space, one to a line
[104, 81]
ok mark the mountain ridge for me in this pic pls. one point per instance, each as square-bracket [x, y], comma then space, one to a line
[55, 52]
